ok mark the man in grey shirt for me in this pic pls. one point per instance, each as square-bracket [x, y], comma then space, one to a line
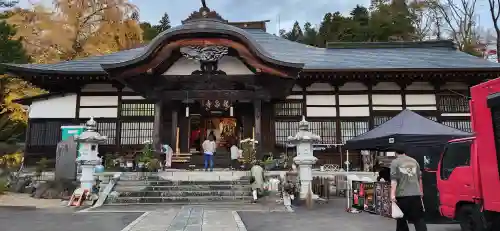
[406, 191]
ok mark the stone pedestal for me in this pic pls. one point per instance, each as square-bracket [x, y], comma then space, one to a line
[304, 140]
[89, 145]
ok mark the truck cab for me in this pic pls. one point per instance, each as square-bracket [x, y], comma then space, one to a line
[468, 176]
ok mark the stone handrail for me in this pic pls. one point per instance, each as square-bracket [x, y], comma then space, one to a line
[103, 195]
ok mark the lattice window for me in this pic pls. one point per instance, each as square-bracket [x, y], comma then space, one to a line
[453, 104]
[137, 109]
[284, 129]
[378, 120]
[107, 129]
[326, 130]
[136, 132]
[351, 129]
[45, 133]
[463, 125]
[288, 109]
[433, 118]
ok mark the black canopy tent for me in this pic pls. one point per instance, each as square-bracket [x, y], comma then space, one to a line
[406, 130]
[420, 138]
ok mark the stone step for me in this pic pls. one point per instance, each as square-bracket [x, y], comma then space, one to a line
[162, 194]
[128, 188]
[177, 183]
[180, 200]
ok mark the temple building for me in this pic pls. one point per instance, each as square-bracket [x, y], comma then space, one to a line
[233, 79]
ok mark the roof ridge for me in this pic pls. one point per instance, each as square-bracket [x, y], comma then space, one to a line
[395, 44]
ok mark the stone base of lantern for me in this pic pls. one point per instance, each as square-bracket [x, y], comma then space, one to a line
[305, 164]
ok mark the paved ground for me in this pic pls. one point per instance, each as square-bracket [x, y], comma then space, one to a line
[14, 219]
[23, 199]
[331, 217]
[216, 217]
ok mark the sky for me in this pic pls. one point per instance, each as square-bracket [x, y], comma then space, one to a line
[281, 13]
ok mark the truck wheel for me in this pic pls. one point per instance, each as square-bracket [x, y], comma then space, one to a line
[472, 219]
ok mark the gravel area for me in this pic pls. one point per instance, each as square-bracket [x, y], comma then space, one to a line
[331, 217]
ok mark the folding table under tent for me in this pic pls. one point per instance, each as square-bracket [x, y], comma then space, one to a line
[420, 138]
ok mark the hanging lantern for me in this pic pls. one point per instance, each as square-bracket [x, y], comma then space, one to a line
[231, 111]
[187, 111]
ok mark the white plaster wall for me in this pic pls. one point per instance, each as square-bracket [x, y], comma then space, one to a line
[56, 107]
[98, 88]
[395, 108]
[228, 64]
[98, 112]
[354, 111]
[353, 99]
[389, 86]
[421, 99]
[320, 99]
[321, 111]
[99, 101]
[295, 97]
[353, 86]
[455, 114]
[422, 108]
[455, 86]
[421, 86]
[389, 99]
[132, 97]
[320, 87]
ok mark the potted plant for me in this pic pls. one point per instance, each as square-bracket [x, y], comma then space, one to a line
[145, 156]
[248, 147]
[154, 165]
[269, 163]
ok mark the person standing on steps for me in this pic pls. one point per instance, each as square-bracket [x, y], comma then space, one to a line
[235, 154]
[406, 192]
[208, 152]
[257, 180]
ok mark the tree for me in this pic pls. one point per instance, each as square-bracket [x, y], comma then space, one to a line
[77, 28]
[148, 31]
[310, 35]
[495, 15]
[295, 34]
[163, 24]
[460, 20]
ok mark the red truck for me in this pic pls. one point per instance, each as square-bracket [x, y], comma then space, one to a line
[468, 176]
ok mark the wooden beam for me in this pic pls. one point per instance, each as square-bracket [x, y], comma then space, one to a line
[157, 126]
[215, 94]
[175, 122]
[257, 110]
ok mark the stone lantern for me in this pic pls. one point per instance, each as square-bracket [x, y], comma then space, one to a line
[303, 141]
[89, 142]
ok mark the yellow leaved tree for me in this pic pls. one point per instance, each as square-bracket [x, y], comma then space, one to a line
[74, 29]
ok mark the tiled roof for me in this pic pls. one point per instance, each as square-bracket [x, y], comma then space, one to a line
[355, 56]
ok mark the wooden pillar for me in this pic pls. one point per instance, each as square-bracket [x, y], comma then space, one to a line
[257, 108]
[175, 122]
[157, 126]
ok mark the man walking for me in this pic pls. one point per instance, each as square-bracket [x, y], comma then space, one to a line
[406, 191]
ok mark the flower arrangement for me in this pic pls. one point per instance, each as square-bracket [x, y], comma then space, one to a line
[249, 151]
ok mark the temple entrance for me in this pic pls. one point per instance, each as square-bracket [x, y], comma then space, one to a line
[224, 129]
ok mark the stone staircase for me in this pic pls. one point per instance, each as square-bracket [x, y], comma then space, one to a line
[182, 188]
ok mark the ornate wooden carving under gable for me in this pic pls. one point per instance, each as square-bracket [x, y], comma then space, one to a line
[208, 56]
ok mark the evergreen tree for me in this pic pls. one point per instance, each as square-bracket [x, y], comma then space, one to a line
[163, 24]
[148, 31]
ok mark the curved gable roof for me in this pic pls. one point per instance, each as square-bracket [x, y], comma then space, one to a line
[356, 57]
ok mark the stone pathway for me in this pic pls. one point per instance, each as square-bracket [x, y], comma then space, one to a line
[188, 218]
